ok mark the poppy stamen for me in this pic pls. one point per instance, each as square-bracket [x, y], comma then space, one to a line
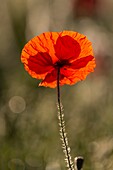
[62, 63]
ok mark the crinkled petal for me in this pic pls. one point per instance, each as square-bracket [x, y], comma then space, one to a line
[78, 74]
[67, 48]
[39, 66]
[84, 43]
[81, 62]
[70, 69]
[69, 75]
[86, 47]
[38, 55]
[51, 79]
[43, 43]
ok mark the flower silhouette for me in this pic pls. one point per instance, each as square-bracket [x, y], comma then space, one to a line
[69, 51]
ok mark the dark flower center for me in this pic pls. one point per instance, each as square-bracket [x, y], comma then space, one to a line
[61, 63]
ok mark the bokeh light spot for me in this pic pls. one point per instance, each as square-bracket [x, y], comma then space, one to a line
[17, 104]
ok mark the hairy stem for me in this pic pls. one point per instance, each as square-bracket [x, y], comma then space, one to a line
[63, 134]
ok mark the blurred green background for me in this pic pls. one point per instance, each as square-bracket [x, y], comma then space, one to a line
[29, 137]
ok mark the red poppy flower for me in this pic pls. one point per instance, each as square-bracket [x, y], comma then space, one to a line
[69, 50]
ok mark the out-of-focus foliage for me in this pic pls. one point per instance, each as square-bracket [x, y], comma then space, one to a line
[29, 137]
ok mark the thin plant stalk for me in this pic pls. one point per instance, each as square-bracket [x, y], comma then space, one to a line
[63, 134]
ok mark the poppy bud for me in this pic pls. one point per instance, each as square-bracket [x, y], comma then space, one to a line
[78, 161]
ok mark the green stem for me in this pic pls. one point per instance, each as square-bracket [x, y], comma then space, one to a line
[64, 139]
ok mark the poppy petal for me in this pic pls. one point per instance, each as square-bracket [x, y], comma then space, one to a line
[67, 71]
[42, 43]
[78, 70]
[37, 50]
[39, 66]
[82, 62]
[79, 74]
[85, 44]
[70, 69]
[51, 79]
[67, 48]
[86, 47]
